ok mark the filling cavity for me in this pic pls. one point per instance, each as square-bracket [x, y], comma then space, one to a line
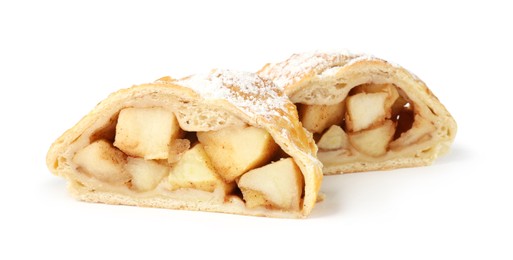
[372, 120]
[145, 150]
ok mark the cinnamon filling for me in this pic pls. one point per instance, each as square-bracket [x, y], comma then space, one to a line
[372, 120]
[144, 149]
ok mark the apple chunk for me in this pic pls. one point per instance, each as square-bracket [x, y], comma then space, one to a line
[146, 174]
[102, 161]
[278, 184]
[146, 132]
[236, 150]
[316, 118]
[373, 142]
[365, 110]
[194, 170]
[335, 138]
[389, 89]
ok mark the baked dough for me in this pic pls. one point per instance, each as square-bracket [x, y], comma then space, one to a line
[168, 144]
[366, 113]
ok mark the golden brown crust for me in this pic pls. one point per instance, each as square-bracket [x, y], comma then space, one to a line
[327, 78]
[198, 106]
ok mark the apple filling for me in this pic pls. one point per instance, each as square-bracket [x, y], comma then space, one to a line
[145, 150]
[371, 121]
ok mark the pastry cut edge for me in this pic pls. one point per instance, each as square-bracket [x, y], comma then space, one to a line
[177, 144]
[365, 113]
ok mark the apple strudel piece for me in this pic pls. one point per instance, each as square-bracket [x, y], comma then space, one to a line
[365, 113]
[224, 142]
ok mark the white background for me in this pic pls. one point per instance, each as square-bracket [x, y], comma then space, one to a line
[58, 59]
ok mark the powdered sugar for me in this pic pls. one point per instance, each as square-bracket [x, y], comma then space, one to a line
[249, 92]
[361, 57]
[298, 66]
[330, 72]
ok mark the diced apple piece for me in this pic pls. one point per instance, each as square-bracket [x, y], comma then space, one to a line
[335, 138]
[255, 198]
[393, 95]
[146, 132]
[390, 89]
[177, 148]
[102, 161]
[236, 150]
[278, 184]
[194, 170]
[365, 110]
[373, 142]
[316, 118]
[146, 174]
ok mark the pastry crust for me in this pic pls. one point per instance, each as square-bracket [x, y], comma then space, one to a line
[329, 78]
[200, 103]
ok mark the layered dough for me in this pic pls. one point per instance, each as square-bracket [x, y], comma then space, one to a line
[365, 113]
[226, 142]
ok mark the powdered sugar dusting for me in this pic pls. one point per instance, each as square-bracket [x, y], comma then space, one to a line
[249, 92]
[298, 66]
[361, 57]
